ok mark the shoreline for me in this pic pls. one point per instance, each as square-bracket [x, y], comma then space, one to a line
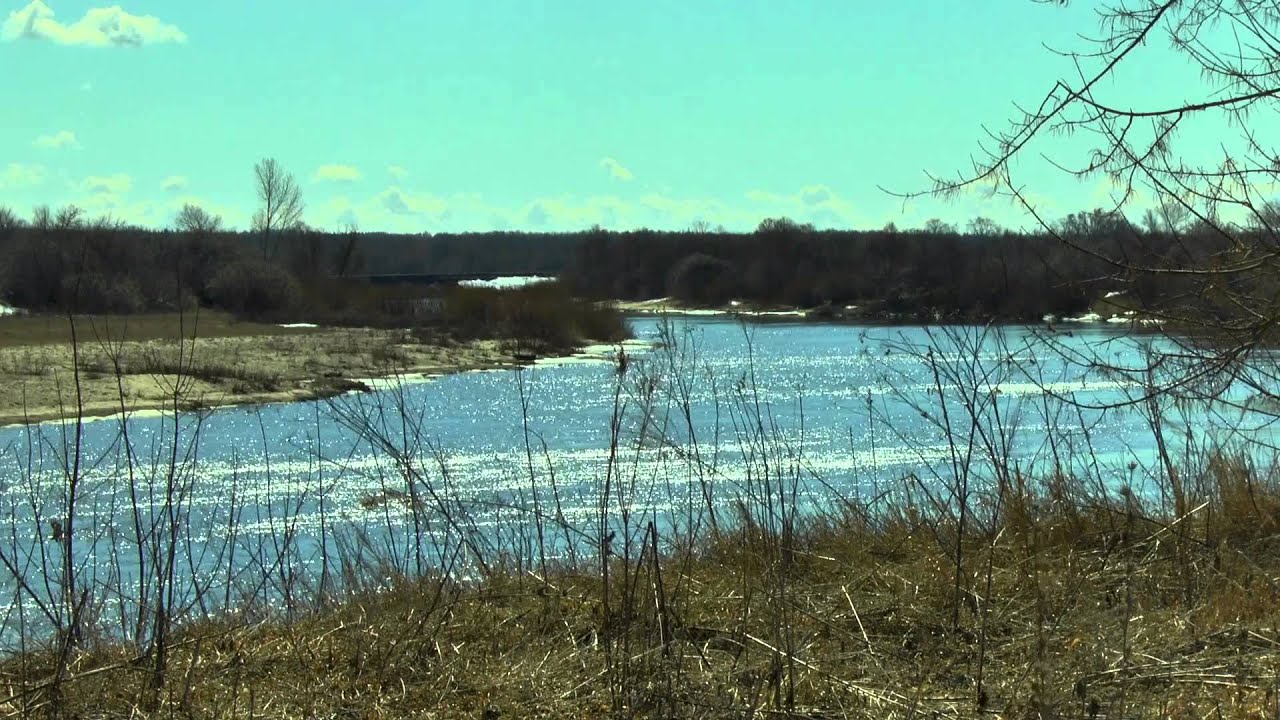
[37, 384]
[849, 314]
[243, 364]
[306, 391]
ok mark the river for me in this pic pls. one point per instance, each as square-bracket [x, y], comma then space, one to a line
[258, 506]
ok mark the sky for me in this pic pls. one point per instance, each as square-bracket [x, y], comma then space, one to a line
[536, 115]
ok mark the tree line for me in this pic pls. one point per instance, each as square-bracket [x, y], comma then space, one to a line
[937, 272]
[62, 261]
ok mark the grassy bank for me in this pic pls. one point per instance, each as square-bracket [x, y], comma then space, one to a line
[129, 363]
[208, 358]
[52, 329]
[1069, 606]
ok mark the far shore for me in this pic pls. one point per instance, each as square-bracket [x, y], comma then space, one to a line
[1116, 316]
[131, 365]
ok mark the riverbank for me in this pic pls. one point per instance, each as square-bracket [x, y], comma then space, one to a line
[136, 363]
[1065, 605]
[1108, 313]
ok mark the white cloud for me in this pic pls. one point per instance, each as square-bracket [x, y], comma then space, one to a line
[816, 195]
[399, 202]
[537, 214]
[397, 172]
[57, 141]
[571, 213]
[107, 184]
[348, 219]
[17, 175]
[616, 170]
[1107, 192]
[100, 27]
[817, 204]
[174, 183]
[399, 209]
[336, 173]
[113, 205]
[677, 213]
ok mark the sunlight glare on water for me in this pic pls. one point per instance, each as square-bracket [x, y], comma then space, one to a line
[831, 412]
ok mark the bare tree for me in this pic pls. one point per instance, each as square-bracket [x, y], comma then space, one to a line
[783, 225]
[280, 197]
[42, 217]
[983, 226]
[1218, 275]
[347, 256]
[1168, 217]
[70, 217]
[195, 220]
[936, 226]
[9, 221]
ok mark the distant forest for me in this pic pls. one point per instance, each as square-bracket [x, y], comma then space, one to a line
[935, 273]
[61, 261]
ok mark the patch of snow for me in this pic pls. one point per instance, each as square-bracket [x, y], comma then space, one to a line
[1086, 318]
[610, 349]
[1050, 318]
[699, 312]
[298, 325]
[1119, 319]
[394, 382]
[571, 360]
[1113, 293]
[735, 303]
[602, 353]
[507, 283]
[143, 413]
[8, 310]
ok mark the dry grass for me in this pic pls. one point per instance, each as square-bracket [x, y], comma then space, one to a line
[229, 362]
[1095, 610]
[27, 330]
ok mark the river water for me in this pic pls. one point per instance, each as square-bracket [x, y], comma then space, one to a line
[259, 504]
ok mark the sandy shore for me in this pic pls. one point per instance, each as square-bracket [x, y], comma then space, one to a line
[258, 364]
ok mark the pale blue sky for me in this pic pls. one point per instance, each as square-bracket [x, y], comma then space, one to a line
[481, 114]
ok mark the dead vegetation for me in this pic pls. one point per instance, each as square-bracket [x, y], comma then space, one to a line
[217, 361]
[1100, 608]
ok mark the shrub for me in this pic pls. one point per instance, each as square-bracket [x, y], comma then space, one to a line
[92, 292]
[701, 279]
[253, 288]
[544, 317]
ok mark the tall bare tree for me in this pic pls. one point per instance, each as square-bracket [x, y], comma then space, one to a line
[347, 255]
[280, 199]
